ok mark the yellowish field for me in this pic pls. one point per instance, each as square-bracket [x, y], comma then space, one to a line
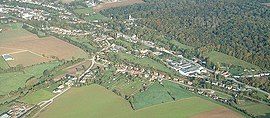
[28, 49]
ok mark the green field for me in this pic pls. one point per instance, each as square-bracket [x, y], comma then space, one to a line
[14, 80]
[3, 63]
[157, 94]
[217, 57]
[146, 61]
[95, 101]
[223, 95]
[256, 109]
[37, 96]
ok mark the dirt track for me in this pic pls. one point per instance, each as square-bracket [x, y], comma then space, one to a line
[116, 4]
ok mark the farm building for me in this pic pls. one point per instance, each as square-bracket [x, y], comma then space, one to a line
[7, 57]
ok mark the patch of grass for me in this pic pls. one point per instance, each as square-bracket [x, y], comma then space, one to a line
[97, 102]
[156, 94]
[217, 57]
[14, 80]
[37, 96]
[236, 71]
[254, 108]
[3, 63]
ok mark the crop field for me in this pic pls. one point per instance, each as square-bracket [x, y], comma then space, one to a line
[37, 96]
[17, 40]
[257, 109]
[97, 102]
[217, 57]
[108, 5]
[14, 80]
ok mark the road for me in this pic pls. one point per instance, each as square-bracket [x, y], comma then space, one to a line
[247, 86]
[45, 104]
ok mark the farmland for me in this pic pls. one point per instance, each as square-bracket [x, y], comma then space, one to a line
[14, 80]
[96, 101]
[92, 15]
[116, 4]
[25, 47]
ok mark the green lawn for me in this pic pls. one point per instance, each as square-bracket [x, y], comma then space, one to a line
[95, 101]
[217, 57]
[3, 109]
[14, 80]
[37, 96]
[96, 16]
[3, 63]
[256, 109]
[223, 95]
[146, 61]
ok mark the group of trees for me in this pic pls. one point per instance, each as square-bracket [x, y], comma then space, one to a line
[239, 28]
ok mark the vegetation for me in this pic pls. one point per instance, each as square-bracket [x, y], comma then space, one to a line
[116, 107]
[3, 63]
[212, 25]
[20, 78]
[37, 96]
[257, 109]
[146, 61]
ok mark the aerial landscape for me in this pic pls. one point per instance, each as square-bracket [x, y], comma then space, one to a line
[134, 58]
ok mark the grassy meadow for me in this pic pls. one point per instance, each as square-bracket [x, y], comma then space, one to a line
[37, 96]
[3, 63]
[257, 109]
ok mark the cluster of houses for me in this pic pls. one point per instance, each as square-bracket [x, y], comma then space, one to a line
[141, 72]
[25, 13]
[70, 82]
[117, 48]
[90, 3]
[68, 32]
[211, 94]
[16, 111]
[186, 68]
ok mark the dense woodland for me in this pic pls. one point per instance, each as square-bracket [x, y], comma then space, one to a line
[240, 28]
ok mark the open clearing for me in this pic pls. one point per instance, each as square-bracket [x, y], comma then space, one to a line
[37, 96]
[36, 50]
[14, 80]
[217, 57]
[95, 101]
[108, 5]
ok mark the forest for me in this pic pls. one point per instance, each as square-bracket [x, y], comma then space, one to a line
[239, 28]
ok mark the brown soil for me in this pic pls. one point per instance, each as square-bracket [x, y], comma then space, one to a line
[116, 4]
[219, 113]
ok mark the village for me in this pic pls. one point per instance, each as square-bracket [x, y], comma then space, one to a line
[188, 73]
